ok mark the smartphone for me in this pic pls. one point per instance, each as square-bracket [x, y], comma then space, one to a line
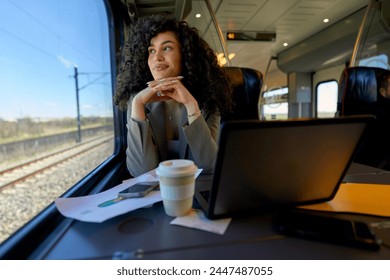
[138, 189]
[326, 228]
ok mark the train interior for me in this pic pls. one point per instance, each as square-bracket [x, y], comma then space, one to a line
[350, 54]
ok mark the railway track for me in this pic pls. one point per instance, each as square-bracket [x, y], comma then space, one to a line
[16, 174]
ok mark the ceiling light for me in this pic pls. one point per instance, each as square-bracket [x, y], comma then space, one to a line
[222, 59]
[285, 44]
[198, 15]
[326, 20]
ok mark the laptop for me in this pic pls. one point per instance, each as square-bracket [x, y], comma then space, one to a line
[264, 166]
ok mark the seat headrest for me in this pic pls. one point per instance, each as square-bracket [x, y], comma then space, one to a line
[358, 86]
[246, 84]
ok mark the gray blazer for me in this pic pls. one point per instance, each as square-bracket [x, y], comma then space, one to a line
[147, 141]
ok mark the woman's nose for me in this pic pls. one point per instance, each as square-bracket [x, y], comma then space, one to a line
[158, 56]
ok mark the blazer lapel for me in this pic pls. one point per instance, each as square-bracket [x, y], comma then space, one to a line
[183, 146]
[156, 117]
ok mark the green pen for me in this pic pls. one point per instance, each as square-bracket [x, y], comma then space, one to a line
[111, 201]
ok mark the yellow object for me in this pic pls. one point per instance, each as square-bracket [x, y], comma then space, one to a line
[372, 199]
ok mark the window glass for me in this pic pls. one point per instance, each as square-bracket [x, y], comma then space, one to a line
[274, 104]
[56, 95]
[380, 61]
[373, 43]
[327, 99]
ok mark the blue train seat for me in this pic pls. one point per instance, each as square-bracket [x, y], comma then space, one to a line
[359, 94]
[246, 83]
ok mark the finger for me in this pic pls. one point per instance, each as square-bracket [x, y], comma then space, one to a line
[161, 98]
[164, 81]
[163, 84]
[163, 89]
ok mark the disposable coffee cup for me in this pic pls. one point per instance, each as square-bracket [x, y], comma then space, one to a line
[177, 185]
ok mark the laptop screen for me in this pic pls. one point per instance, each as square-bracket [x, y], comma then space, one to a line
[267, 164]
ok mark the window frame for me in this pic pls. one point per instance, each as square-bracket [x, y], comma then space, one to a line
[316, 94]
[33, 239]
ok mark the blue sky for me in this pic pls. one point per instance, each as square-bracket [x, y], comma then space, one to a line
[41, 41]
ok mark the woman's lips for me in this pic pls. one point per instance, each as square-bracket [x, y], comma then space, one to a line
[160, 67]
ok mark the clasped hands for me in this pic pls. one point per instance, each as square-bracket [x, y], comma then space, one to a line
[165, 89]
[168, 88]
[165, 85]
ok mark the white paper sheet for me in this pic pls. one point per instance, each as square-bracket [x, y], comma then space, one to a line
[86, 208]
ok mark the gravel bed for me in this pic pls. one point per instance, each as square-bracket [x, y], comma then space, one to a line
[20, 203]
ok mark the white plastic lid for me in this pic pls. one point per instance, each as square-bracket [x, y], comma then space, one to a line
[176, 168]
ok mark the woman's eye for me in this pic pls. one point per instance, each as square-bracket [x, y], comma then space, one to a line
[167, 48]
[152, 50]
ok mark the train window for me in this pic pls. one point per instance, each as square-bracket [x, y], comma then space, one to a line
[380, 61]
[274, 104]
[56, 111]
[326, 99]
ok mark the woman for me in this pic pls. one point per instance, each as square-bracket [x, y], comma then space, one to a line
[174, 91]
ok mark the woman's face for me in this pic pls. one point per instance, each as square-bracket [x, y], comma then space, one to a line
[164, 55]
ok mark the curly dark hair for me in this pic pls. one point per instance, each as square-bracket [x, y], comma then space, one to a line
[203, 76]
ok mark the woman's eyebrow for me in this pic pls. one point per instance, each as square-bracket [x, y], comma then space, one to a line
[164, 43]
[167, 42]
